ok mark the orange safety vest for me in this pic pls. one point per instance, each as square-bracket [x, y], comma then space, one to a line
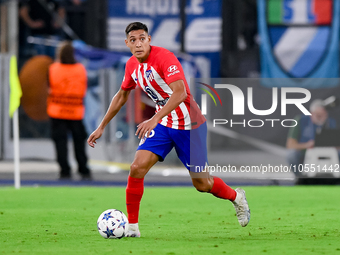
[68, 84]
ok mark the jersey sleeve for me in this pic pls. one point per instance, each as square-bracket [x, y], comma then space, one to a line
[128, 83]
[172, 68]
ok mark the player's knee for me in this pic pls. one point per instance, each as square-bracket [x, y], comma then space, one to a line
[134, 167]
[137, 170]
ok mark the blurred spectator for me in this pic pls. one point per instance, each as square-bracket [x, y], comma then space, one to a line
[44, 19]
[249, 22]
[302, 136]
[68, 85]
[77, 2]
[75, 13]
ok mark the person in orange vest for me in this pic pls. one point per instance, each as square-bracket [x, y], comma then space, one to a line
[65, 107]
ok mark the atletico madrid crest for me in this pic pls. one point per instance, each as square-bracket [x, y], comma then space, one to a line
[149, 75]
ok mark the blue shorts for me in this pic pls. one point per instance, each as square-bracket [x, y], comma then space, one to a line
[190, 145]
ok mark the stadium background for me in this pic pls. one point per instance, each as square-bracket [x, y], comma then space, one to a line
[245, 40]
[248, 43]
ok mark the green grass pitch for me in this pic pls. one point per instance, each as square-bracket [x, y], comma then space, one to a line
[62, 220]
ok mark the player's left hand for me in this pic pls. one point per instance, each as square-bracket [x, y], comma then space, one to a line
[146, 127]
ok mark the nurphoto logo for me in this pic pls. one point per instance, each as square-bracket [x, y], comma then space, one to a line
[239, 104]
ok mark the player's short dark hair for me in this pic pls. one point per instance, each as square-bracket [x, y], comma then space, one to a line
[65, 53]
[136, 26]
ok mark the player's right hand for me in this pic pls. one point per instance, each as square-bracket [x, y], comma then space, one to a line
[94, 136]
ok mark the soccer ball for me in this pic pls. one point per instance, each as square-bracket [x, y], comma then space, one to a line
[112, 224]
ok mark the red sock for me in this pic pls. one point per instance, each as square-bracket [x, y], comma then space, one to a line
[222, 190]
[134, 193]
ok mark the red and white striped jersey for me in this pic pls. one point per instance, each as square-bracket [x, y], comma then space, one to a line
[153, 76]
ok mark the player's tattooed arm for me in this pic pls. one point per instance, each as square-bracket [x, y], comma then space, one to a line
[178, 96]
[116, 104]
